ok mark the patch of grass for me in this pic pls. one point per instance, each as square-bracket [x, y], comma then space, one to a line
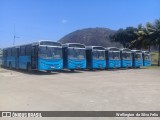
[152, 67]
[154, 57]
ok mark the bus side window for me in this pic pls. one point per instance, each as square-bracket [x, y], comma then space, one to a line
[28, 50]
[22, 51]
[6, 53]
[9, 52]
[13, 51]
[17, 52]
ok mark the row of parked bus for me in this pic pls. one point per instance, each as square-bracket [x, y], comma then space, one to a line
[49, 56]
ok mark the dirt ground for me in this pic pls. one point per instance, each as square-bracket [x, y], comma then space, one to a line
[99, 90]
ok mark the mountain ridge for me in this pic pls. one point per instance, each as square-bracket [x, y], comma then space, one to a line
[91, 37]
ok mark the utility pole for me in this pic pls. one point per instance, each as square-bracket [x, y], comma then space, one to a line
[14, 36]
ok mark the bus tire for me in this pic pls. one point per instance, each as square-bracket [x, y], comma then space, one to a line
[72, 70]
[29, 69]
[49, 71]
[91, 69]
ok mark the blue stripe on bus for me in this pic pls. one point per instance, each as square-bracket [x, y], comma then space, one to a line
[146, 63]
[126, 63]
[98, 63]
[48, 64]
[113, 63]
[138, 63]
[76, 64]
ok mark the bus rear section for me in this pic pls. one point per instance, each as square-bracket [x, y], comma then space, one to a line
[10, 57]
[95, 57]
[4, 58]
[74, 56]
[137, 58]
[146, 58]
[42, 55]
[126, 58]
[113, 58]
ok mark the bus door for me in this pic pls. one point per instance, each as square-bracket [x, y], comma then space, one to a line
[17, 58]
[34, 57]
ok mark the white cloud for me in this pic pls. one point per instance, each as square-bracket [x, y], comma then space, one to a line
[64, 21]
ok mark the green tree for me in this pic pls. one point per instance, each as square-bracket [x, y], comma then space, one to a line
[125, 36]
[140, 37]
[138, 42]
[144, 37]
[148, 35]
[156, 36]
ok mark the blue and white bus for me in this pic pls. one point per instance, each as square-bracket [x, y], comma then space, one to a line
[126, 58]
[113, 59]
[137, 58]
[146, 58]
[74, 56]
[43, 55]
[95, 57]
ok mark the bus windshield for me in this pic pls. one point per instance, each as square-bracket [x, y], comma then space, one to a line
[127, 56]
[114, 55]
[74, 53]
[138, 56]
[50, 52]
[99, 55]
[147, 57]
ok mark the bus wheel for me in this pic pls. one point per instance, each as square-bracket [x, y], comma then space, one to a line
[91, 69]
[29, 69]
[10, 66]
[72, 70]
[48, 71]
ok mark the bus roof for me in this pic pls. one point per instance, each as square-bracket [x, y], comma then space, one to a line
[40, 42]
[112, 49]
[95, 48]
[49, 43]
[75, 45]
[125, 50]
[146, 52]
[136, 51]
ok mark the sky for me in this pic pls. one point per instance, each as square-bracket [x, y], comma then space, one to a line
[53, 19]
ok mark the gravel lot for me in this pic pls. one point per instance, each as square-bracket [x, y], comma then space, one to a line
[113, 90]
